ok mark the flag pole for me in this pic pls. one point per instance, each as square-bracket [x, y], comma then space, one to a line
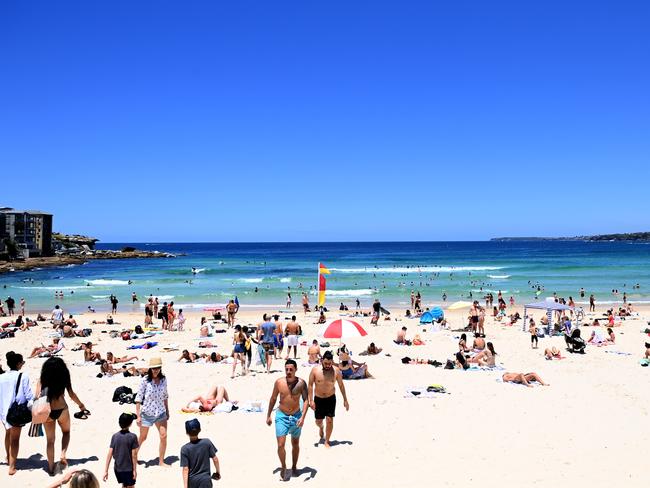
[318, 287]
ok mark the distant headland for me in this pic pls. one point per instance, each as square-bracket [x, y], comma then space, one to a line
[630, 236]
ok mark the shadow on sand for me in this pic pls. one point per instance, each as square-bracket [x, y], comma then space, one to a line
[310, 472]
[37, 461]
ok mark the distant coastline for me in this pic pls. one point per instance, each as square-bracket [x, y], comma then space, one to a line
[632, 236]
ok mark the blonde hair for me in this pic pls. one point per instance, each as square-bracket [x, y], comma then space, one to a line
[84, 479]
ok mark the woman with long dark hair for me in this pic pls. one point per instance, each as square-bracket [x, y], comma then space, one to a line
[14, 387]
[152, 407]
[55, 381]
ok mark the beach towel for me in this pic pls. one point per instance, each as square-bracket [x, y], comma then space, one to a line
[146, 345]
[496, 367]
[619, 353]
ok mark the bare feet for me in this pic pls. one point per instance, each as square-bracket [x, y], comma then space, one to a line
[12, 470]
[283, 474]
[327, 444]
[163, 464]
[294, 471]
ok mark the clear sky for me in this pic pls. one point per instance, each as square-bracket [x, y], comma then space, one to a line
[331, 120]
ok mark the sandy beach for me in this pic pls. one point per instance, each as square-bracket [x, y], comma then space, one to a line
[586, 428]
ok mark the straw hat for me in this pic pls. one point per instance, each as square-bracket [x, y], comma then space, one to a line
[155, 363]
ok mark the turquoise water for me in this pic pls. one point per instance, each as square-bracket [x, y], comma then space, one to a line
[388, 271]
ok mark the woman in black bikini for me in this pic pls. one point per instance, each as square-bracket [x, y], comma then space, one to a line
[55, 376]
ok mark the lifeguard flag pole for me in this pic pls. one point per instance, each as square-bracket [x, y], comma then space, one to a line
[322, 283]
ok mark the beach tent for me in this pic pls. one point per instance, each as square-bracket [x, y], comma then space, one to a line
[432, 315]
[549, 305]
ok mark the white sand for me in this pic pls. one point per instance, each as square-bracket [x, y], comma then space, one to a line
[589, 428]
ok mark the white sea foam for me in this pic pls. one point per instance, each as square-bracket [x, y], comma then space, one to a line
[100, 296]
[346, 293]
[62, 287]
[417, 269]
[107, 282]
[251, 280]
[198, 270]
[499, 277]
[487, 290]
[285, 280]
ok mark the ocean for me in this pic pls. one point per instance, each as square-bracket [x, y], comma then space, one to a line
[262, 274]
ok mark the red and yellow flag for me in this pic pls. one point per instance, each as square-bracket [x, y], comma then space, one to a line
[321, 290]
[322, 269]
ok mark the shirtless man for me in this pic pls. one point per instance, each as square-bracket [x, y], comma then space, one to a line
[289, 418]
[89, 355]
[314, 353]
[305, 303]
[265, 331]
[322, 394]
[291, 331]
[231, 309]
[401, 336]
[524, 379]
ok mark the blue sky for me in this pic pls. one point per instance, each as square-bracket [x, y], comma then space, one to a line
[295, 120]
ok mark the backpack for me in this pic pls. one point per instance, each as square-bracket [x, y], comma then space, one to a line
[121, 390]
[138, 329]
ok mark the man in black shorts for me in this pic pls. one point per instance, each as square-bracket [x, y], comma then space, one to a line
[322, 394]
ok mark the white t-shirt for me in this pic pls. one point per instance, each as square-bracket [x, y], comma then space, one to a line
[57, 313]
[8, 392]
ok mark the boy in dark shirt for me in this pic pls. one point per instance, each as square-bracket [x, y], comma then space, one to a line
[195, 458]
[124, 449]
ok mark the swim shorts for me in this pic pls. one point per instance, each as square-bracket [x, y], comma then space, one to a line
[268, 347]
[286, 424]
[325, 407]
[292, 340]
[125, 477]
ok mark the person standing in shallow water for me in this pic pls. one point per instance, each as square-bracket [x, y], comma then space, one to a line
[289, 416]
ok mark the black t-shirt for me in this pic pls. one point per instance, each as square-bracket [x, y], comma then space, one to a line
[376, 306]
[10, 302]
[197, 456]
[123, 443]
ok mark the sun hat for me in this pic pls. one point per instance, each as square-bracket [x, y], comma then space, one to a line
[155, 363]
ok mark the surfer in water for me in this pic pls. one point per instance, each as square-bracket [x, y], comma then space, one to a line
[194, 271]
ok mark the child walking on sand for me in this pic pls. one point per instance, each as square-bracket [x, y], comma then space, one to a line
[124, 449]
[532, 328]
[195, 458]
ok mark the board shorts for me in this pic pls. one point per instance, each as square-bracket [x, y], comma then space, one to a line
[268, 347]
[475, 319]
[239, 348]
[292, 340]
[278, 341]
[286, 424]
[125, 477]
[325, 407]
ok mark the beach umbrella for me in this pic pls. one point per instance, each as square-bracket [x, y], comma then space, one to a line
[459, 305]
[339, 328]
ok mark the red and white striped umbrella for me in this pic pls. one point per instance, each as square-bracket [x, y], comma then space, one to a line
[339, 328]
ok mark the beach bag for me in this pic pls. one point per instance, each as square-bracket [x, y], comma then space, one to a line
[19, 414]
[121, 390]
[41, 410]
[36, 430]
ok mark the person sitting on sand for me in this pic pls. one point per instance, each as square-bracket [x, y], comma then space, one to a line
[597, 337]
[47, 351]
[216, 395]
[71, 321]
[486, 357]
[321, 319]
[351, 369]
[401, 337]
[188, 357]
[552, 353]
[647, 350]
[462, 343]
[611, 337]
[371, 350]
[124, 359]
[314, 353]
[89, 355]
[523, 379]
[460, 362]
[479, 344]
[417, 340]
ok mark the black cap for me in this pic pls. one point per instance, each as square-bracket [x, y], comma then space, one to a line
[192, 426]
